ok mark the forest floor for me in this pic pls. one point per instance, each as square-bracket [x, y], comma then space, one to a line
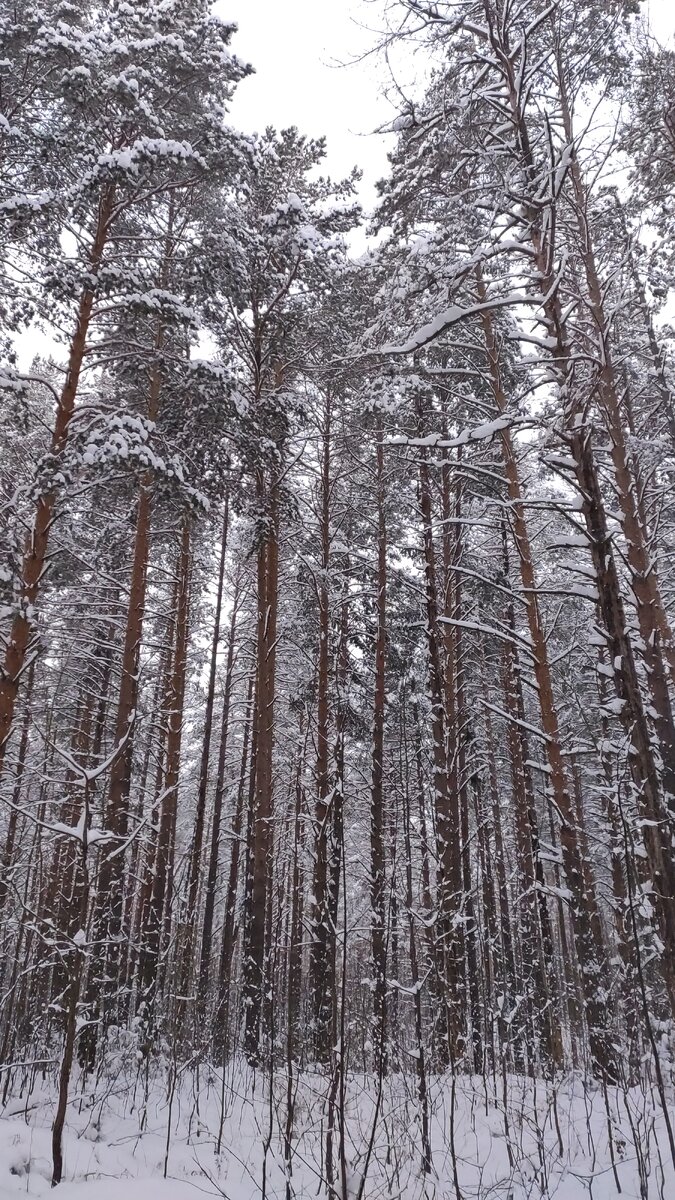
[511, 1142]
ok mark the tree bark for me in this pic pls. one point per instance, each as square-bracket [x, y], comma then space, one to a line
[377, 815]
[195, 858]
[256, 958]
[321, 985]
[34, 563]
[214, 851]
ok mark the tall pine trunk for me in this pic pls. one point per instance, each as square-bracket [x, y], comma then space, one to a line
[321, 983]
[378, 934]
[256, 964]
[34, 562]
[195, 857]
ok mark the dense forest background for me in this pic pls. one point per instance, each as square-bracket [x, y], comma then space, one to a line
[337, 592]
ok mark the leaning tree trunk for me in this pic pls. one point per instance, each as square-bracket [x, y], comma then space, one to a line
[35, 556]
[586, 917]
[633, 717]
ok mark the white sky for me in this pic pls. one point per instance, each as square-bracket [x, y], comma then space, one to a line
[295, 45]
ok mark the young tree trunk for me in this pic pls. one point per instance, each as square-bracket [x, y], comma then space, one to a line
[335, 865]
[464, 736]
[161, 898]
[416, 988]
[294, 972]
[294, 979]
[449, 954]
[488, 945]
[79, 924]
[377, 815]
[162, 700]
[116, 814]
[195, 857]
[536, 935]
[506, 960]
[214, 851]
[229, 923]
[658, 372]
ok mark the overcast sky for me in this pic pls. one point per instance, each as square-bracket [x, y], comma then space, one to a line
[295, 45]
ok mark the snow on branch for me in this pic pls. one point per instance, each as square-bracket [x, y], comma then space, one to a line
[478, 433]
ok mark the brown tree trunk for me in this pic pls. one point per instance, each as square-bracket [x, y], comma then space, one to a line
[13, 819]
[116, 815]
[214, 851]
[229, 924]
[449, 942]
[321, 985]
[420, 1058]
[584, 908]
[195, 858]
[160, 907]
[464, 736]
[35, 556]
[256, 958]
[377, 815]
[534, 920]
[653, 621]
[633, 718]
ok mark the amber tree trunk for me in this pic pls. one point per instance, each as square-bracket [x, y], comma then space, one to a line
[584, 906]
[37, 544]
[652, 618]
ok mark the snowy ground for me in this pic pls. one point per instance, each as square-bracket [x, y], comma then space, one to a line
[551, 1145]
